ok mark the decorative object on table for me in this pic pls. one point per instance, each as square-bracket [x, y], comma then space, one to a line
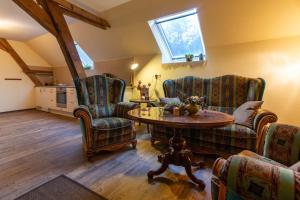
[144, 90]
[189, 57]
[193, 104]
[61, 188]
[201, 57]
[133, 67]
[170, 107]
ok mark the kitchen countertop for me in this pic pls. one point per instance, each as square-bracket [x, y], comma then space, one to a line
[57, 86]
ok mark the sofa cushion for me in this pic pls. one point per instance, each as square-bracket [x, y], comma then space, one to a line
[234, 135]
[244, 115]
[165, 101]
[111, 123]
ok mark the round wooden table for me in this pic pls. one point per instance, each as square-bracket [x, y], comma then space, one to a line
[178, 154]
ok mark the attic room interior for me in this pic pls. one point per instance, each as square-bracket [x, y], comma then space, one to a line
[137, 99]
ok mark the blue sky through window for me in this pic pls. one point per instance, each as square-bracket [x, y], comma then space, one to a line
[86, 61]
[179, 34]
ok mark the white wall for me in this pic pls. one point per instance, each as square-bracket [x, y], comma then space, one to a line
[17, 95]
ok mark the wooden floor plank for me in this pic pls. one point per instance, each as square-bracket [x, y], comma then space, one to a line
[36, 146]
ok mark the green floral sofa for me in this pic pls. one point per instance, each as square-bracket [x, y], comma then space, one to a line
[103, 114]
[272, 173]
[225, 94]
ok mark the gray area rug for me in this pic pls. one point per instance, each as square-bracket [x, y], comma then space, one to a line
[61, 188]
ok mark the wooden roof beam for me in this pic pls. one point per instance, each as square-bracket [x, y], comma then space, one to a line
[4, 43]
[81, 14]
[37, 13]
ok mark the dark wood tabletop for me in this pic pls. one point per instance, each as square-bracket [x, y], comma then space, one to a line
[203, 119]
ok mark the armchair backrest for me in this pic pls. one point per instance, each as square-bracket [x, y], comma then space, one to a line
[101, 94]
[282, 143]
[228, 91]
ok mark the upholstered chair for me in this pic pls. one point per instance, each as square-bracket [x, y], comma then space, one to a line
[103, 113]
[273, 172]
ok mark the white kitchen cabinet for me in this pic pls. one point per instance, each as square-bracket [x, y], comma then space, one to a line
[41, 98]
[45, 98]
[72, 102]
[51, 98]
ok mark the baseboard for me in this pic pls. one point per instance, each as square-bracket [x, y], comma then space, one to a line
[17, 110]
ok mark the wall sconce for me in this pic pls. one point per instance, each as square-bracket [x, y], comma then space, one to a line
[133, 67]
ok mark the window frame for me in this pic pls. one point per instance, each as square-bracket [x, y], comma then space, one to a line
[85, 67]
[162, 40]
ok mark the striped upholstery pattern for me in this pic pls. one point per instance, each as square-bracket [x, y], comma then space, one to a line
[231, 139]
[224, 94]
[101, 94]
[229, 91]
[103, 114]
[112, 130]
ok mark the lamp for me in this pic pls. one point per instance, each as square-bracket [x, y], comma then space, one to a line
[133, 67]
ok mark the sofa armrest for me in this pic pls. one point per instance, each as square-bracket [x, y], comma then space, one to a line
[262, 118]
[122, 108]
[248, 178]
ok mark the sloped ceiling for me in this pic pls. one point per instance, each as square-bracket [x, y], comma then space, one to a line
[223, 23]
[15, 24]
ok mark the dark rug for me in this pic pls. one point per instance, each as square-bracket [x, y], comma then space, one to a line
[61, 188]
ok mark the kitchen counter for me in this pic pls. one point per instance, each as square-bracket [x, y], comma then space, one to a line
[57, 86]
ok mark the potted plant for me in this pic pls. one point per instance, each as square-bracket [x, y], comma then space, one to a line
[189, 57]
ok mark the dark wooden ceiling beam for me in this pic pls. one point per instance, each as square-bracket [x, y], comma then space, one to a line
[65, 39]
[9, 49]
[81, 14]
[37, 13]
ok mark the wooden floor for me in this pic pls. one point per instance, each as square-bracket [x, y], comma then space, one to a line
[35, 147]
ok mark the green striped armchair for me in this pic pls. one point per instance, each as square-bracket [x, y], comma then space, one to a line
[103, 115]
[272, 173]
[225, 94]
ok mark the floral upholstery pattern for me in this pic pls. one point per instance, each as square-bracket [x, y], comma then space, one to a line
[103, 114]
[224, 94]
[282, 144]
[252, 176]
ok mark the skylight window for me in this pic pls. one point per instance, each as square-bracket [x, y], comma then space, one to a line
[179, 35]
[86, 61]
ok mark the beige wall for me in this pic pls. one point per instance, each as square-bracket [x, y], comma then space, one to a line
[17, 95]
[277, 61]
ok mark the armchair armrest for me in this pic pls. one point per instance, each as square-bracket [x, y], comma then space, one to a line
[248, 178]
[123, 107]
[262, 118]
[86, 122]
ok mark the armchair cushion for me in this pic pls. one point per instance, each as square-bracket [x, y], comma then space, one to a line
[249, 178]
[110, 123]
[112, 130]
[282, 143]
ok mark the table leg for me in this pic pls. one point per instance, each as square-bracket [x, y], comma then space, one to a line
[177, 155]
